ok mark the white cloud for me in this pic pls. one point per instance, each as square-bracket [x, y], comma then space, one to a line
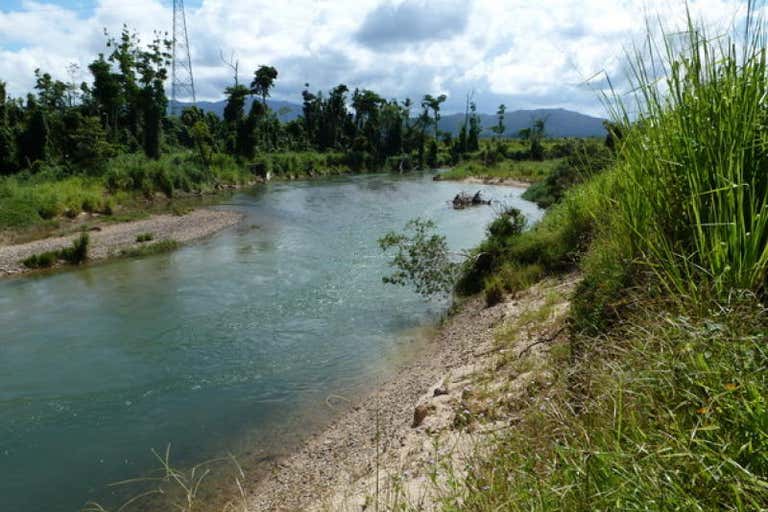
[521, 53]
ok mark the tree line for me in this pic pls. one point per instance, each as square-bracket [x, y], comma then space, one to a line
[124, 109]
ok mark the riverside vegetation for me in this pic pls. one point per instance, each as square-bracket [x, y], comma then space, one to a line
[659, 398]
[109, 146]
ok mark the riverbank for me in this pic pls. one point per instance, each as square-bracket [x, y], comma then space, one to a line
[434, 412]
[109, 240]
[506, 182]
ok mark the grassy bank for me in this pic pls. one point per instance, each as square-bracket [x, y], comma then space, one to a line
[527, 171]
[658, 401]
[130, 186]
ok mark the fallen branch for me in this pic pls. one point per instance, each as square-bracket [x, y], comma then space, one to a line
[542, 340]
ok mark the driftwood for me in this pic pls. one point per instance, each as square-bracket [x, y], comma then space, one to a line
[464, 200]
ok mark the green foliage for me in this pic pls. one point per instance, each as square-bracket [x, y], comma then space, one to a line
[493, 290]
[421, 259]
[488, 257]
[263, 81]
[663, 405]
[78, 253]
[34, 139]
[26, 202]
[692, 159]
[673, 416]
[504, 169]
[145, 237]
[500, 128]
[74, 255]
[585, 158]
[535, 136]
[300, 164]
[43, 260]
[432, 161]
[159, 247]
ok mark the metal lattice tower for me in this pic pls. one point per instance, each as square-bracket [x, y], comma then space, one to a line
[182, 81]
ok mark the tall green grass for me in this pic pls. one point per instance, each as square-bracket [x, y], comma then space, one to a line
[523, 170]
[692, 187]
[667, 413]
[301, 164]
[660, 402]
[33, 199]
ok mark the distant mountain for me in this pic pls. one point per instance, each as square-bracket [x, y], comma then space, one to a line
[559, 122]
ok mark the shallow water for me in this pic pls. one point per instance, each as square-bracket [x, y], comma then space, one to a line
[230, 344]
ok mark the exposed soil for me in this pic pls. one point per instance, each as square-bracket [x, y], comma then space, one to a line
[436, 410]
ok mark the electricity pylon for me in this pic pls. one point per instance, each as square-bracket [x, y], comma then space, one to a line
[182, 81]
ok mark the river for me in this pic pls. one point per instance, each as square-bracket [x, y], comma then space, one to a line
[231, 344]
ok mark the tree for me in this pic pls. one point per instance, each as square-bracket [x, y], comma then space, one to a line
[233, 64]
[152, 66]
[106, 94]
[50, 92]
[431, 103]
[473, 137]
[421, 259]
[499, 129]
[234, 111]
[535, 135]
[194, 120]
[263, 81]
[33, 141]
[7, 145]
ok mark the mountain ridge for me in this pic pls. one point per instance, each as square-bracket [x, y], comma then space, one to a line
[560, 122]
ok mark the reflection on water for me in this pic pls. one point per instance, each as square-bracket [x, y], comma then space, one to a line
[232, 344]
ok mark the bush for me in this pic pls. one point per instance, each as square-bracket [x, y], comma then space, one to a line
[44, 260]
[494, 291]
[151, 249]
[421, 259]
[145, 237]
[587, 157]
[74, 255]
[78, 253]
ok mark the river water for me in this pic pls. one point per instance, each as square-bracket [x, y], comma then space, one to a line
[232, 344]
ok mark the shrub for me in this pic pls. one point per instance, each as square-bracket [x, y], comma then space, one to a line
[421, 259]
[43, 260]
[74, 255]
[145, 237]
[494, 291]
[151, 249]
[78, 253]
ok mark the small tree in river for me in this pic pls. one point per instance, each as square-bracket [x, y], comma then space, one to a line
[421, 259]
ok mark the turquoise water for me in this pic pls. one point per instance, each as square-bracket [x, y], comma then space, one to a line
[230, 344]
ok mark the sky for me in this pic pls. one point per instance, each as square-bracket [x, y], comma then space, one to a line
[540, 54]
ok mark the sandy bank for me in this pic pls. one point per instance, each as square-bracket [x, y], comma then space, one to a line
[508, 182]
[109, 240]
[380, 451]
